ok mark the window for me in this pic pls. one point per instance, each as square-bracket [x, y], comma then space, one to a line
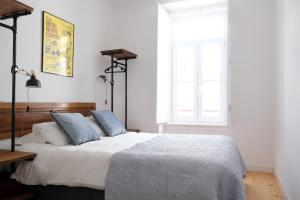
[199, 65]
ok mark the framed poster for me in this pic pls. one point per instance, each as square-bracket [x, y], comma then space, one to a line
[58, 46]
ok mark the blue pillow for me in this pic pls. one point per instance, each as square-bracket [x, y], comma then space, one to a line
[109, 123]
[76, 126]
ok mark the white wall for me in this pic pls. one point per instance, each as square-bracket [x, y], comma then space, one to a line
[253, 75]
[137, 32]
[253, 79]
[93, 24]
[288, 138]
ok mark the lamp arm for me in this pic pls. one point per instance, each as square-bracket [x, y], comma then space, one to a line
[24, 72]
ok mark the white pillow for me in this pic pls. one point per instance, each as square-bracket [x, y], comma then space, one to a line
[95, 126]
[51, 133]
[5, 144]
[29, 138]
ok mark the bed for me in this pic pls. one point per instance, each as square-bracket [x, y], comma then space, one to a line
[131, 166]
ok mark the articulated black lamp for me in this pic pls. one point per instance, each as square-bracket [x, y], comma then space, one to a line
[12, 9]
[33, 82]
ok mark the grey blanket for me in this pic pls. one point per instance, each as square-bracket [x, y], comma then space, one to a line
[177, 167]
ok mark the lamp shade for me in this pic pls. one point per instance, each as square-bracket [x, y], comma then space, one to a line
[33, 82]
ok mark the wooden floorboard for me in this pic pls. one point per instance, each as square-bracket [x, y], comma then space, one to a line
[262, 186]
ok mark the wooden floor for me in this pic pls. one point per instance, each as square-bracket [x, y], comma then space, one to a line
[262, 186]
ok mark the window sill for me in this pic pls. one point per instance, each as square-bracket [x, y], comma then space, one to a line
[196, 124]
[175, 127]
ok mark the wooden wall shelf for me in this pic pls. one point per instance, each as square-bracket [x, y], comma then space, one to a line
[119, 54]
[13, 7]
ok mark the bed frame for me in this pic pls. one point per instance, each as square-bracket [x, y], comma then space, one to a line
[63, 193]
[31, 113]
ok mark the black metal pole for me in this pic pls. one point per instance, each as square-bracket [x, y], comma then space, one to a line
[13, 72]
[112, 83]
[126, 93]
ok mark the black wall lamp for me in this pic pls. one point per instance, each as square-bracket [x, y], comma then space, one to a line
[33, 82]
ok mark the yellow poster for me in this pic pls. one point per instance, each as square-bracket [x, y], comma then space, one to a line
[58, 45]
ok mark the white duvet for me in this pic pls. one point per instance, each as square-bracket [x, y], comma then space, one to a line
[75, 166]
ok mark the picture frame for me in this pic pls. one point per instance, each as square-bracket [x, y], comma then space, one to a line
[57, 46]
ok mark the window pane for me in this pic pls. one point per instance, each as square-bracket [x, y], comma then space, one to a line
[211, 99]
[211, 62]
[200, 26]
[185, 63]
[185, 99]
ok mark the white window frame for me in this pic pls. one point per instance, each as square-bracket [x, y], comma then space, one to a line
[197, 119]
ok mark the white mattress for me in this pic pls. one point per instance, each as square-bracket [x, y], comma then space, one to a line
[75, 166]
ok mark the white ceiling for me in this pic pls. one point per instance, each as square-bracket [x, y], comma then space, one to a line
[125, 2]
[184, 4]
[175, 2]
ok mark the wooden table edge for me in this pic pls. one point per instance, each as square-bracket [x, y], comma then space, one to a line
[16, 158]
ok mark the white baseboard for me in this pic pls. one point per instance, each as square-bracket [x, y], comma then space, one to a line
[259, 168]
[281, 187]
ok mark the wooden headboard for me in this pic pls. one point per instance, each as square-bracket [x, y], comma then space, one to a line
[31, 113]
